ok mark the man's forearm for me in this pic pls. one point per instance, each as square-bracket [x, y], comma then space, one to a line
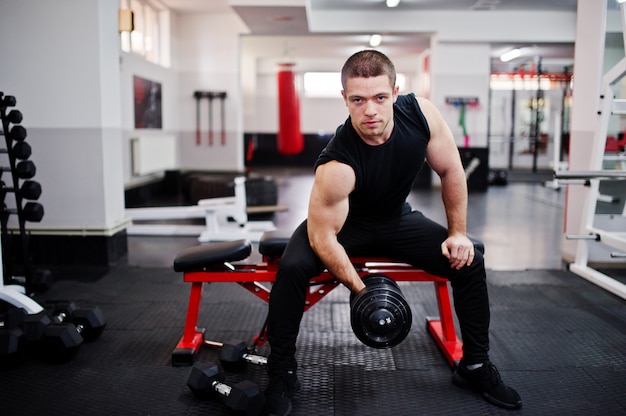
[336, 260]
[454, 195]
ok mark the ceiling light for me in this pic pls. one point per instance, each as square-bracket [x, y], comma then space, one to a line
[375, 40]
[394, 3]
[512, 54]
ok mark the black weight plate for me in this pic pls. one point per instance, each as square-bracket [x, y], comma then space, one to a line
[380, 316]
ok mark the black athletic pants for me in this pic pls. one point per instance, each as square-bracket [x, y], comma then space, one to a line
[411, 238]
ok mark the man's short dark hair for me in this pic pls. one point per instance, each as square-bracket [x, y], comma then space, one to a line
[368, 63]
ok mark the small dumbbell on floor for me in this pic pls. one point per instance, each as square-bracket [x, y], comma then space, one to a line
[236, 357]
[11, 338]
[58, 337]
[54, 343]
[206, 381]
[89, 322]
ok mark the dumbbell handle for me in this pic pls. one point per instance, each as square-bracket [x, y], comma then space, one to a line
[255, 359]
[62, 318]
[221, 388]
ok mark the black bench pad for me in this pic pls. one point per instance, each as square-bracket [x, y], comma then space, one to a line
[197, 257]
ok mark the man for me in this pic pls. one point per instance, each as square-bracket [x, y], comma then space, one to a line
[358, 207]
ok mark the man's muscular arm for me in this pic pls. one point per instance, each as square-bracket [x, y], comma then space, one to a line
[328, 210]
[443, 157]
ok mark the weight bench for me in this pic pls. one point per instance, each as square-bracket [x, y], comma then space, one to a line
[214, 263]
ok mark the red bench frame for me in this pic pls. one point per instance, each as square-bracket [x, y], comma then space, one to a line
[251, 277]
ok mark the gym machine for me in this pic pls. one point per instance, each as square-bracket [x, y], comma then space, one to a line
[217, 213]
[612, 234]
[380, 317]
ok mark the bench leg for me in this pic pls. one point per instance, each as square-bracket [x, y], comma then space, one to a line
[192, 338]
[442, 328]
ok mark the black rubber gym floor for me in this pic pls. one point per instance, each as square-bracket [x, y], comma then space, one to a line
[560, 341]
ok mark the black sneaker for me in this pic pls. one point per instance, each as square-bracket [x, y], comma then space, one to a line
[283, 385]
[486, 381]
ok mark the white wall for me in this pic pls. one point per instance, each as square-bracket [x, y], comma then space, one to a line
[207, 56]
[462, 69]
[135, 65]
[63, 72]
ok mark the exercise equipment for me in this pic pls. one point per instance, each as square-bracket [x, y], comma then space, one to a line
[89, 321]
[24, 169]
[611, 233]
[206, 381]
[21, 150]
[50, 341]
[225, 218]
[235, 357]
[28, 190]
[290, 138]
[11, 338]
[57, 333]
[379, 315]
[197, 95]
[462, 103]
[210, 96]
[31, 211]
[224, 262]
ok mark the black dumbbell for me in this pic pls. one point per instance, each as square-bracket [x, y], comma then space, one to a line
[24, 170]
[206, 381]
[28, 190]
[11, 338]
[379, 315]
[89, 321]
[54, 343]
[236, 357]
[57, 338]
[33, 211]
[21, 150]
[8, 101]
[17, 133]
[39, 281]
[14, 116]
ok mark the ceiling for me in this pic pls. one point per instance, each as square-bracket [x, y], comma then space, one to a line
[264, 18]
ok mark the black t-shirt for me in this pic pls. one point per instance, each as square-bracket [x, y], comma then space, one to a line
[384, 173]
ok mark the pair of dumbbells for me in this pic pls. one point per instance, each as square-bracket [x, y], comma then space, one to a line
[57, 333]
[206, 381]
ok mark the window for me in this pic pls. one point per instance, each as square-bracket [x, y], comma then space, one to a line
[148, 34]
[328, 84]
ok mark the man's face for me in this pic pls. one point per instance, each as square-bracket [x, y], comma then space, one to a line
[370, 104]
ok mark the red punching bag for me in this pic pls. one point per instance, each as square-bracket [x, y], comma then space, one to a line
[290, 139]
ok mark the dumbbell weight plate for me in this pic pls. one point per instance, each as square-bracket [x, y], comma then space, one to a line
[380, 316]
[60, 343]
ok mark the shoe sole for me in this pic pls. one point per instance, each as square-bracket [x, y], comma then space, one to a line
[461, 382]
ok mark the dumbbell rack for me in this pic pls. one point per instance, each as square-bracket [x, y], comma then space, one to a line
[19, 168]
